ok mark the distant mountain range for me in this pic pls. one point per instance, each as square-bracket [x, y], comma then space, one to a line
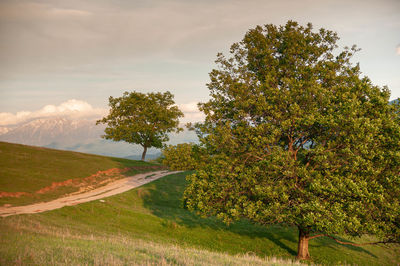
[50, 131]
[79, 135]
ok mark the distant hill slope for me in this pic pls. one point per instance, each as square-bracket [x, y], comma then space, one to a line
[28, 169]
[77, 135]
[151, 156]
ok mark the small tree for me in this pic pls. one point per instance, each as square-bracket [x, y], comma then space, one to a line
[144, 119]
[295, 137]
[184, 156]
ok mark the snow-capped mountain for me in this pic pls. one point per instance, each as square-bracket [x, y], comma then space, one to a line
[77, 135]
[44, 131]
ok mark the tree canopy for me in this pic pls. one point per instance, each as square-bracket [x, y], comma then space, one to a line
[144, 119]
[295, 136]
[184, 156]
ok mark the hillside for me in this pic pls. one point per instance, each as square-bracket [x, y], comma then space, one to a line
[30, 174]
[148, 225]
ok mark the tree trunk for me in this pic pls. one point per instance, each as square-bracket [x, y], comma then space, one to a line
[302, 249]
[144, 153]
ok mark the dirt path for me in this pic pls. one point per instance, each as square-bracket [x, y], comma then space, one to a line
[110, 189]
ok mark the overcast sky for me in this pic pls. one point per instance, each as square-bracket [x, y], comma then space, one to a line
[78, 53]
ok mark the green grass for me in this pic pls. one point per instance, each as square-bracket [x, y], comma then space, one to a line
[147, 224]
[28, 169]
[122, 251]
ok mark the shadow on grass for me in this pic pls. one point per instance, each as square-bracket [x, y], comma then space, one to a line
[331, 244]
[163, 199]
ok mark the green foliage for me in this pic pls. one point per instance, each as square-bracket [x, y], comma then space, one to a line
[144, 119]
[185, 156]
[179, 157]
[297, 137]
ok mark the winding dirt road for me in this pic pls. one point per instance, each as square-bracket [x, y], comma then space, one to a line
[110, 189]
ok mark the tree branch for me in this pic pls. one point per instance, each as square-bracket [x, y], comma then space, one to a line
[299, 142]
[311, 237]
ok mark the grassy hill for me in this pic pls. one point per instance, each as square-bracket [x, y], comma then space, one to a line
[147, 225]
[28, 169]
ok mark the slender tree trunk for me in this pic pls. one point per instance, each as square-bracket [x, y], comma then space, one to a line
[302, 249]
[144, 153]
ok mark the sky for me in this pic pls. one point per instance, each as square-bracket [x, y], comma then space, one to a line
[68, 57]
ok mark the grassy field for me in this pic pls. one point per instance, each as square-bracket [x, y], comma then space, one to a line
[147, 225]
[29, 169]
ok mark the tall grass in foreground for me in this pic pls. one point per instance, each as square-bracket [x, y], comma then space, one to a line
[119, 250]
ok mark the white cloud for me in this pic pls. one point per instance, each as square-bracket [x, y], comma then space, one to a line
[77, 109]
[191, 112]
[72, 108]
[398, 49]
[189, 107]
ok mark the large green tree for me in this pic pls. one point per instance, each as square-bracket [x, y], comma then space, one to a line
[295, 136]
[144, 119]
